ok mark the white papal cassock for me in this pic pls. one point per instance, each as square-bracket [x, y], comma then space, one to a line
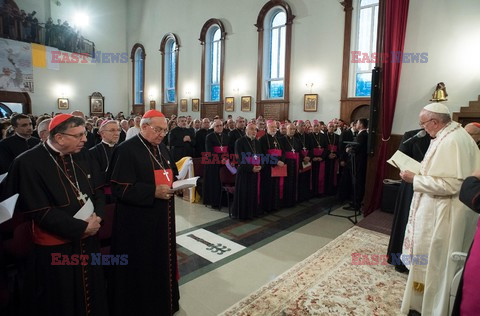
[439, 223]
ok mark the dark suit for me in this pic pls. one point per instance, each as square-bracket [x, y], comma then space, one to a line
[361, 157]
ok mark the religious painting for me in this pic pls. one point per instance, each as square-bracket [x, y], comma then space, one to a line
[195, 105]
[246, 104]
[310, 102]
[152, 104]
[229, 104]
[183, 105]
[97, 106]
[62, 103]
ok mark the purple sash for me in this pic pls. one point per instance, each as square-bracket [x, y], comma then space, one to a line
[317, 152]
[470, 303]
[332, 148]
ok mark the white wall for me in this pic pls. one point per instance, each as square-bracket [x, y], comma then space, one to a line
[449, 32]
[317, 45]
[76, 82]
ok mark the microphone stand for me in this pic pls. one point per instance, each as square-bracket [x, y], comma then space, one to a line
[354, 187]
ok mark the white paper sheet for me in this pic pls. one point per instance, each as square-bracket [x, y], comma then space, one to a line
[185, 184]
[182, 173]
[85, 211]
[403, 162]
[7, 207]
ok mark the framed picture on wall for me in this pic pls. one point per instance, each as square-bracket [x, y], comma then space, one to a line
[229, 104]
[195, 105]
[246, 104]
[183, 105]
[62, 103]
[310, 102]
[97, 104]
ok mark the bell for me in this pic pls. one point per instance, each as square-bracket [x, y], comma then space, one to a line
[440, 93]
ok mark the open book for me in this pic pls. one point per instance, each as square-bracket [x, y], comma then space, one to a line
[403, 162]
[185, 184]
[7, 207]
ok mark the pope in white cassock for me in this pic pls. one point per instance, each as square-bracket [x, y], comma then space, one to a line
[439, 223]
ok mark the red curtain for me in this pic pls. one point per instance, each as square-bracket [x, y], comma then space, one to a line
[396, 13]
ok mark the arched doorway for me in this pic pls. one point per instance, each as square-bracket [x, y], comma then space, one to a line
[361, 111]
[15, 102]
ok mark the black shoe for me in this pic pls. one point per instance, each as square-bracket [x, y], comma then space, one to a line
[414, 313]
[401, 269]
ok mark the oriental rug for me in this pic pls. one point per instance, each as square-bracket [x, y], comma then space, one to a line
[328, 283]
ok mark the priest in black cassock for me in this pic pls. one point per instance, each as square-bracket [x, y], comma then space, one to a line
[416, 149]
[247, 181]
[361, 157]
[144, 225]
[271, 187]
[304, 173]
[345, 184]
[320, 152]
[200, 137]
[109, 131]
[292, 148]
[331, 162]
[55, 180]
[182, 140]
[216, 153]
[16, 144]
[236, 134]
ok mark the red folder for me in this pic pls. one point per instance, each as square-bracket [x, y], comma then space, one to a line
[278, 171]
[160, 177]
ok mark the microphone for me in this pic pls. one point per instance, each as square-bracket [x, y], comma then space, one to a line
[420, 134]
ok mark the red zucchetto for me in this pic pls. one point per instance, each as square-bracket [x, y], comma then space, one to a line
[153, 113]
[58, 119]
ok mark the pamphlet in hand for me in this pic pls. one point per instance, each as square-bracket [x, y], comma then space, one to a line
[403, 162]
[7, 207]
[185, 184]
[86, 211]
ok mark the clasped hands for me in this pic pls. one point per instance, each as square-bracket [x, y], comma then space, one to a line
[93, 225]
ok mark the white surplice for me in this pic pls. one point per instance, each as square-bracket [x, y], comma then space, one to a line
[439, 223]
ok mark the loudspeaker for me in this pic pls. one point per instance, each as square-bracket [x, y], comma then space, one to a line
[374, 106]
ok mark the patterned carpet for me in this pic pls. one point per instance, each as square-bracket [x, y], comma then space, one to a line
[328, 283]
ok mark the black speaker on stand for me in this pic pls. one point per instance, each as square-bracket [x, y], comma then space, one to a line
[374, 107]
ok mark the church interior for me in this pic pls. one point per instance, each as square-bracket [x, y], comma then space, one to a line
[211, 58]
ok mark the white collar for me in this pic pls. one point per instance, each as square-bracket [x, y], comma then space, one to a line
[109, 145]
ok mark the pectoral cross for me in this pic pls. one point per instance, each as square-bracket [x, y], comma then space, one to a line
[255, 157]
[304, 148]
[221, 148]
[293, 150]
[165, 173]
[82, 197]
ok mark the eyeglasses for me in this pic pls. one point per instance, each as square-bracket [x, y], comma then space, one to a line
[113, 130]
[159, 130]
[78, 136]
[422, 124]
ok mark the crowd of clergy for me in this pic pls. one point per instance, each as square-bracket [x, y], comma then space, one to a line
[122, 170]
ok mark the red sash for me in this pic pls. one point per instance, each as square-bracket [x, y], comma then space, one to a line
[332, 148]
[43, 238]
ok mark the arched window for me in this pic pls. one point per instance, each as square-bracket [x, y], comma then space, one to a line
[274, 50]
[138, 74]
[274, 26]
[364, 41]
[212, 37]
[169, 49]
